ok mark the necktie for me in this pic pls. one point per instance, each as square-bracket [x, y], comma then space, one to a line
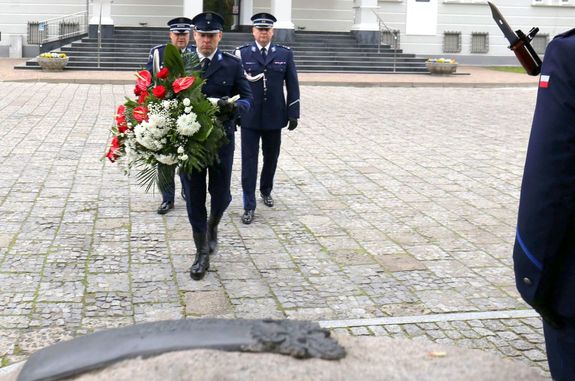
[264, 55]
[205, 64]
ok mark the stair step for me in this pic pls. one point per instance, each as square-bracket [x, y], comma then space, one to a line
[313, 52]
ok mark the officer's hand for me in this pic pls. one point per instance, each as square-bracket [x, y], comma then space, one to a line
[292, 124]
[225, 105]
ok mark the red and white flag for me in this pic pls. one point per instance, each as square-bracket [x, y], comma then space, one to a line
[544, 81]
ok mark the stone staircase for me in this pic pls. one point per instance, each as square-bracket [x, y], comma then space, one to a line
[313, 51]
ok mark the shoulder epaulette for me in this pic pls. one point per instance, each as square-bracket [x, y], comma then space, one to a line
[283, 46]
[157, 46]
[232, 55]
[243, 46]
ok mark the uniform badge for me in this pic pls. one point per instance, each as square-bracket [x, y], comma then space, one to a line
[544, 81]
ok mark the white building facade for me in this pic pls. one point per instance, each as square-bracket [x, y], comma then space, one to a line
[460, 29]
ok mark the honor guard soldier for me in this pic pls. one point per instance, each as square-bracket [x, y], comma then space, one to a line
[179, 37]
[544, 252]
[225, 78]
[268, 67]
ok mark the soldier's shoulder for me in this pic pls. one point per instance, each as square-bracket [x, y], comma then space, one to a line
[282, 47]
[230, 55]
[160, 46]
[569, 33]
[244, 46]
[564, 41]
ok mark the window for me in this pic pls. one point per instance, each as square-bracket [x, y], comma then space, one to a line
[539, 43]
[479, 42]
[553, 3]
[451, 42]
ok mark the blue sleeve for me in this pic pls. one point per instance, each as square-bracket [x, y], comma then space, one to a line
[292, 86]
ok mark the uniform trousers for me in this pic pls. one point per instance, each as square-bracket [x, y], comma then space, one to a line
[166, 182]
[560, 346]
[219, 177]
[271, 142]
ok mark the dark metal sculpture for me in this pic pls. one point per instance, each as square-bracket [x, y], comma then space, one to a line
[300, 339]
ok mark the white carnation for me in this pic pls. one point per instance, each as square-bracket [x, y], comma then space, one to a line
[188, 110]
[186, 102]
[180, 149]
[187, 124]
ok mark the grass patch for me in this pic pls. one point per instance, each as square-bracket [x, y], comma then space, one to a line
[509, 69]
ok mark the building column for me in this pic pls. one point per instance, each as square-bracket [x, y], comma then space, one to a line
[246, 12]
[101, 14]
[284, 29]
[192, 8]
[365, 24]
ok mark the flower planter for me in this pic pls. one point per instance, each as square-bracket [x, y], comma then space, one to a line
[52, 64]
[441, 67]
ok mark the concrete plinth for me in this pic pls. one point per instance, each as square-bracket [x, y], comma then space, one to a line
[368, 358]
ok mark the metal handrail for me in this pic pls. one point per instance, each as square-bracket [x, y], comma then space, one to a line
[99, 35]
[382, 26]
[58, 28]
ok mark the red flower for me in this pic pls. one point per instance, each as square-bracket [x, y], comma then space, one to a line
[121, 119]
[137, 91]
[183, 83]
[159, 91]
[140, 114]
[112, 154]
[143, 95]
[144, 80]
[163, 73]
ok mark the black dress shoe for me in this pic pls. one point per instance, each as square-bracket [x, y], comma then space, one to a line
[200, 266]
[268, 200]
[248, 216]
[165, 207]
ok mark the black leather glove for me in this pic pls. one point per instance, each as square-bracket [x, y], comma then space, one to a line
[292, 124]
[225, 106]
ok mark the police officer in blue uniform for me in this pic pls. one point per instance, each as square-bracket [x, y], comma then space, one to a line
[179, 37]
[544, 251]
[225, 78]
[268, 67]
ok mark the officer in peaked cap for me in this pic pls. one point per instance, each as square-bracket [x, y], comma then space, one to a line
[224, 78]
[180, 37]
[544, 251]
[268, 67]
[263, 20]
[208, 22]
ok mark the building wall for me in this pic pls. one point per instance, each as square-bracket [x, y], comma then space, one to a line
[468, 16]
[152, 12]
[463, 16]
[15, 15]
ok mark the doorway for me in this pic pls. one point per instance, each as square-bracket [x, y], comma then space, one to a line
[229, 9]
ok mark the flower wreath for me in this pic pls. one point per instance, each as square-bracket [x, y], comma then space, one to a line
[171, 121]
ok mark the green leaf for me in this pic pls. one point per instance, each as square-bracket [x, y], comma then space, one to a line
[203, 133]
[173, 61]
[147, 176]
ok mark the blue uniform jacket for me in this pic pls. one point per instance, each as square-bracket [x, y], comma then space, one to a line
[160, 49]
[225, 77]
[270, 110]
[544, 251]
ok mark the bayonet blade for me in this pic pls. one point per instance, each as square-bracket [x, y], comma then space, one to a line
[509, 34]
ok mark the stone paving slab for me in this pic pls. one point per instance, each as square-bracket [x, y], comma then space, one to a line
[390, 202]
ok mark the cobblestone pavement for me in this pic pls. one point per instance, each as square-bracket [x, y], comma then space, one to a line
[395, 215]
